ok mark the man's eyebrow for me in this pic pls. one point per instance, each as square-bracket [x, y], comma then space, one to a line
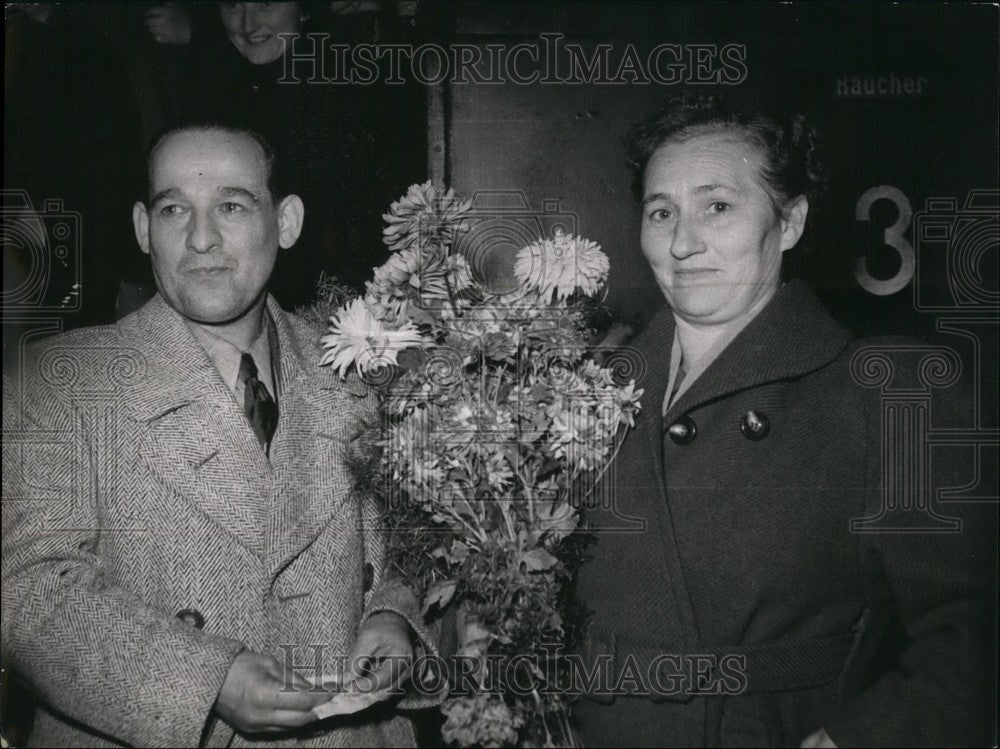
[170, 193]
[239, 192]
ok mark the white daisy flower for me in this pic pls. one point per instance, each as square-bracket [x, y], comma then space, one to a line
[357, 337]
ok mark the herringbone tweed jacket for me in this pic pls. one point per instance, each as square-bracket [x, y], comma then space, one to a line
[134, 488]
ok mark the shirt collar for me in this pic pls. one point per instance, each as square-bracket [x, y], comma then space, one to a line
[226, 357]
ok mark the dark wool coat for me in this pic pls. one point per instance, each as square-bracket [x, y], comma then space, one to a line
[733, 595]
[135, 489]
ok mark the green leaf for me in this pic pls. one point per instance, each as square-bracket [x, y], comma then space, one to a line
[538, 559]
[440, 594]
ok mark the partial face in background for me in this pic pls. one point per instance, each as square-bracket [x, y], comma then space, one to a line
[710, 230]
[254, 27]
[212, 229]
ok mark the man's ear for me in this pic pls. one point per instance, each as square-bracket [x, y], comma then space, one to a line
[140, 221]
[291, 215]
[793, 223]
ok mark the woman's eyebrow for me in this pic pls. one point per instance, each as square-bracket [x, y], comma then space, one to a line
[654, 197]
[713, 187]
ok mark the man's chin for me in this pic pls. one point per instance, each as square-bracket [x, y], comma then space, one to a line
[219, 313]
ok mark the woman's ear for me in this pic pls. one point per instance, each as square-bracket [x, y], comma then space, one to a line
[793, 222]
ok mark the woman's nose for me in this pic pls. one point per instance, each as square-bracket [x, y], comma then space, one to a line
[686, 240]
[249, 18]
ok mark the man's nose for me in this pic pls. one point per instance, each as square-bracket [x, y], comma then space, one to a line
[687, 240]
[203, 234]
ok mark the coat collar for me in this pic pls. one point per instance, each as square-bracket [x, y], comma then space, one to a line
[183, 372]
[197, 439]
[792, 336]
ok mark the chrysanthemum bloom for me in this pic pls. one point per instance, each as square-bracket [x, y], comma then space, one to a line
[357, 337]
[423, 214]
[420, 277]
[562, 265]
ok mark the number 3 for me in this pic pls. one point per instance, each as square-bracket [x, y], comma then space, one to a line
[893, 238]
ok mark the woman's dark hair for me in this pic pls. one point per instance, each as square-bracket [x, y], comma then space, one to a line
[790, 146]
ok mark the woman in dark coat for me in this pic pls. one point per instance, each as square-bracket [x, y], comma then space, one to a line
[764, 576]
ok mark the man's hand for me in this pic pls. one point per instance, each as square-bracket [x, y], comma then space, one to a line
[382, 655]
[818, 740]
[257, 697]
[169, 24]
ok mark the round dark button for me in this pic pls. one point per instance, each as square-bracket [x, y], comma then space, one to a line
[683, 431]
[367, 576]
[755, 425]
[192, 617]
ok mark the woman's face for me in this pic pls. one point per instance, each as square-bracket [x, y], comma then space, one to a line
[254, 27]
[709, 229]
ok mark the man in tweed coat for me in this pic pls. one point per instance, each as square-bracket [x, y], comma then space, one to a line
[171, 575]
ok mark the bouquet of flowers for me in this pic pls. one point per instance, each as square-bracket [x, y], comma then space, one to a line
[496, 426]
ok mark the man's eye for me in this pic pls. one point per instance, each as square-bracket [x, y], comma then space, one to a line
[231, 207]
[719, 207]
[659, 214]
[171, 210]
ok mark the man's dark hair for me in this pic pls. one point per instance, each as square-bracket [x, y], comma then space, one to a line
[277, 178]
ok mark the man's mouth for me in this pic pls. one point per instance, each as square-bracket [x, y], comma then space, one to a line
[209, 270]
[257, 40]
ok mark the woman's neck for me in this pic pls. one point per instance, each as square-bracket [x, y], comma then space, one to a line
[700, 340]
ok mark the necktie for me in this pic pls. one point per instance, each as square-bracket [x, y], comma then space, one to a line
[258, 405]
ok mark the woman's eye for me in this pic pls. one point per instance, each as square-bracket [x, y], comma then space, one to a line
[660, 214]
[719, 207]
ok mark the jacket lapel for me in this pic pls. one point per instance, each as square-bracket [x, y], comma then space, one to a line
[196, 440]
[792, 335]
[655, 348]
[310, 453]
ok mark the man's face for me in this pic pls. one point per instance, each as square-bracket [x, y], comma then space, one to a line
[709, 230]
[212, 229]
[253, 28]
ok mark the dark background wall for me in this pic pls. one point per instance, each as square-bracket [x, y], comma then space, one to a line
[905, 95]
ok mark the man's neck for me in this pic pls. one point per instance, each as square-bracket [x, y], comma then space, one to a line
[241, 332]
